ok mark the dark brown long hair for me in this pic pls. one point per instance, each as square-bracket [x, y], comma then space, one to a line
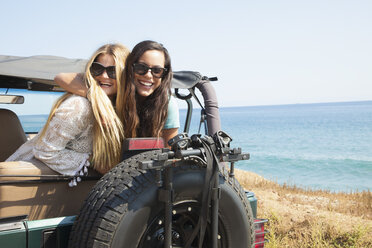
[145, 118]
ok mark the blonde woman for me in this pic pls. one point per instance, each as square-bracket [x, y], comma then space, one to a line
[79, 131]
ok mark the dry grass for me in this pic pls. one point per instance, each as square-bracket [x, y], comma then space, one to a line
[311, 218]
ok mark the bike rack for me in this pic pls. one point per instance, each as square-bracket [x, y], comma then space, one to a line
[206, 147]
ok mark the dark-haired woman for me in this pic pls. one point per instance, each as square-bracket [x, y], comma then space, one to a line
[146, 95]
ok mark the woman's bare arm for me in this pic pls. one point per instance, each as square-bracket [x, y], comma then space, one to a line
[72, 82]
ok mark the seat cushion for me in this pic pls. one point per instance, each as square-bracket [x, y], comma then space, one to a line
[38, 200]
[12, 135]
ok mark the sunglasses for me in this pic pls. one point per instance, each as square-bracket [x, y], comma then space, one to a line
[97, 69]
[142, 69]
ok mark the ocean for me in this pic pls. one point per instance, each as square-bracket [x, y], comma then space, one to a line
[318, 146]
[324, 146]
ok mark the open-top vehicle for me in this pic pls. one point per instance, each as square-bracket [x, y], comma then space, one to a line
[185, 196]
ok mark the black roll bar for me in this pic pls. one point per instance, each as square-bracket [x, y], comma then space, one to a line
[191, 80]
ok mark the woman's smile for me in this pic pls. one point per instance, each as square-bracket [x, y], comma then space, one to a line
[146, 83]
[105, 84]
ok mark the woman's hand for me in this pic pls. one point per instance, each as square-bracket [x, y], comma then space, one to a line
[167, 134]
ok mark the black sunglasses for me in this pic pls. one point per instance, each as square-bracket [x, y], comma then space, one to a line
[142, 69]
[97, 69]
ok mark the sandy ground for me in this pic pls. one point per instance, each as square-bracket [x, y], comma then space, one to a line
[299, 208]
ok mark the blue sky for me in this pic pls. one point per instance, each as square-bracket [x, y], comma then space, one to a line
[263, 52]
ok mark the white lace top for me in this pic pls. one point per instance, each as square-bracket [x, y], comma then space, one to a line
[67, 142]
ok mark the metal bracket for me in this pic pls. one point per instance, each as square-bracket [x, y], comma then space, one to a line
[216, 193]
[166, 196]
[235, 155]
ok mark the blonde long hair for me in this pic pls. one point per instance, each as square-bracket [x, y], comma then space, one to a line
[108, 131]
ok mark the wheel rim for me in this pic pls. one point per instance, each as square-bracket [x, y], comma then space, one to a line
[184, 220]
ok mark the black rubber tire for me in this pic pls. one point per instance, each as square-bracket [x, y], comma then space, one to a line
[122, 210]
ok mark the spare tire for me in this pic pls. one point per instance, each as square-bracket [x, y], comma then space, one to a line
[123, 210]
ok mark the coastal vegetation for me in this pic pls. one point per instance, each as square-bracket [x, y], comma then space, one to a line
[311, 218]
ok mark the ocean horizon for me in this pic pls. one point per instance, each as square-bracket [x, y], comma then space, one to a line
[325, 146]
[284, 104]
